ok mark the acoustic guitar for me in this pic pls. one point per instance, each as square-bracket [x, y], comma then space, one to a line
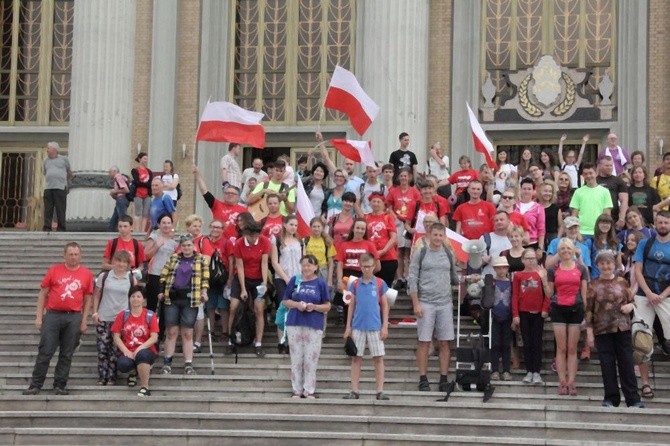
[259, 210]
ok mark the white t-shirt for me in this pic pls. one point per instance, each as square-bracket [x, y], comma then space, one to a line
[440, 172]
[499, 243]
[571, 170]
[167, 179]
[502, 177]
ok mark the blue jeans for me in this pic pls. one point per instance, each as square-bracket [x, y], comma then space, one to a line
[59, 330]
[120, 209]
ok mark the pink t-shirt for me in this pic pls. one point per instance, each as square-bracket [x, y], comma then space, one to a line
[567, 284]
[341, 228]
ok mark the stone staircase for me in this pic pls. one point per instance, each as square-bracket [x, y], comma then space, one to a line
[249, 402]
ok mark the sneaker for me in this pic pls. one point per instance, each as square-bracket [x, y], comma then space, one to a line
[507, 376]
[167, 369]
[424, 386]
[259, 352]
[197, 348]
[144, 392]
[537, 379]
[351, 396]
[189, 370]
[528, 378]
[61, 391]
[381, 396]
[495, 376]
[607, 403]
[639, 405]
[32, 390]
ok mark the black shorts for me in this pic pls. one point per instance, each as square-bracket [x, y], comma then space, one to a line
[567, 315]
[249, 284]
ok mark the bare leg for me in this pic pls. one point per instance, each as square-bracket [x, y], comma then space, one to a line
[445, 357]
[171, 340]
[356, 373]
[379, 373]
[259, 309]
[561, 334]
[573, 340]
[143, 372]
[187, 343]
[422, 357]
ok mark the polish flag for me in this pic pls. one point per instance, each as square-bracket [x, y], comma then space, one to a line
[346, 95]
[226, 122]
[359, 151]
[482, 143]
[303, 210]
[457, 241]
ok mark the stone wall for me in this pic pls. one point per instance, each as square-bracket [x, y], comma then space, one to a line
[659, 73]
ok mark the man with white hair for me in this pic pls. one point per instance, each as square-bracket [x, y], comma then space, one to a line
[620, 156]
[57, 173]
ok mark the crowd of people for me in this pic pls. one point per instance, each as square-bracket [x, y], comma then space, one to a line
[582, 244]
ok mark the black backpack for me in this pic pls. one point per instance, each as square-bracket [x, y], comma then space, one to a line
[217, 269]
[132, 188]
[244, 326]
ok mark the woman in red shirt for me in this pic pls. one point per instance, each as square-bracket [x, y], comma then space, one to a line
[274, 222]
[135, 334]
[382, 232]
[142, 179]
[568, 279]
[340, 224]
[530, 308]
[348, 259]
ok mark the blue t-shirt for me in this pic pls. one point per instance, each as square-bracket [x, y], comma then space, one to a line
[160, 206]
[367, 313]
[586, 254]
[313, 291]
[502, 303]
[657, 271]
[593, 252]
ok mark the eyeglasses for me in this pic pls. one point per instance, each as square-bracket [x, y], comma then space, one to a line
[339, 176]
[367, 266]
[230, 193]
[216, 227]
[530, 258]
[507, 197]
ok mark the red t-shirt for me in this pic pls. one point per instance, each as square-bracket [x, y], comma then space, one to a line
[128, 246]
[341, 228]
[227, 213]
[143, 175]
[349, 253]
[135, 331]
[440, 209]
[379, 233]
[476, 219]
[67, 288]
[400, 201]
[462, 179]
[272, 226]
[252, 255]
[517, 220]
[224, 248]
[527, 293]
[568, 283]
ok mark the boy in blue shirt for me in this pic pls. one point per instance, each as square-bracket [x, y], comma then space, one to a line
[367, 323]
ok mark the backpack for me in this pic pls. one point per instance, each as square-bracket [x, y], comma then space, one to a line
[663, 281]
[380, 287]
[642, 340]
[132, 188]
[105, 274]
[382, 189]
[217, 268]
[244, 326]
[179, 193]
[422, 254]
[126, 316]
[136, 249]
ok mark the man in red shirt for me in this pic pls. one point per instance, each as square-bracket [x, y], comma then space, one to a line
[124, 242]
[65, 293]
[251, 252]
[274, 222]
[419, 209]
[463, 177]
[226, 210]
[474, 218]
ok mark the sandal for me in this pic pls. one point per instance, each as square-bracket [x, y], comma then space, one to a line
[296, 396]
[132, 379]
[144, 392]
[647, 392]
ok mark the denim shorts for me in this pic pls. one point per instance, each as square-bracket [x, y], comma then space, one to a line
[215, 300]
[144, 356]
[180, 313]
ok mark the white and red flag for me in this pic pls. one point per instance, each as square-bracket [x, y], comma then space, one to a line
[303, 210]
[226, 122]
[482, 143]
[457, 241]
[359, 151]
[346, 95]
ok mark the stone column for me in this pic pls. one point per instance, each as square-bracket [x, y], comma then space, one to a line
[214, 60]
[392, 67]
[163, 82]
[101, 105]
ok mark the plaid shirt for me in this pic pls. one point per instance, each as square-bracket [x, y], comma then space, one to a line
[199, 277]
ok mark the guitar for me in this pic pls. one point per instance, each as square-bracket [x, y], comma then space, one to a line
[259, 210]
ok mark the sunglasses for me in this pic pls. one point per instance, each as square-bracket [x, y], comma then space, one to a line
[507, 197]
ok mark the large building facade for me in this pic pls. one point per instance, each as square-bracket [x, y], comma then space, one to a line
[108, 79]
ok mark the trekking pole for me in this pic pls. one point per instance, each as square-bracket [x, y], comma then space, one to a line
[211, 349]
